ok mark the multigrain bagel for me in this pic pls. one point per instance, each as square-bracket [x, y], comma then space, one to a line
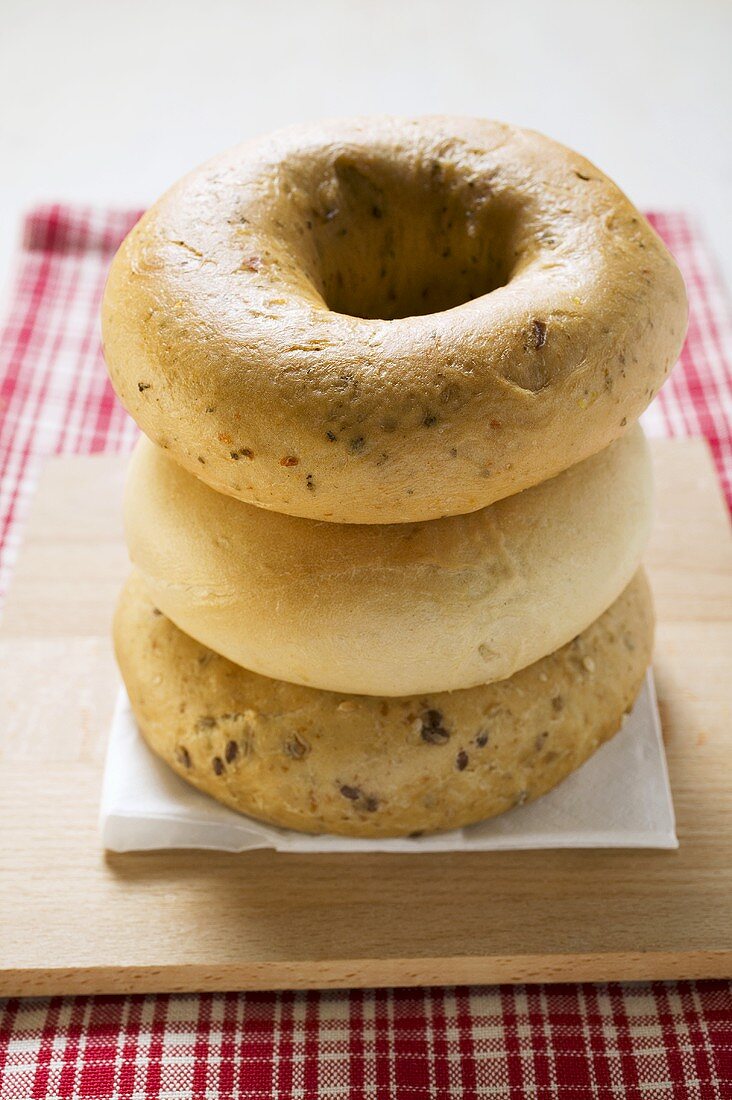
[362, 766]
[388, 320]
[391, 609]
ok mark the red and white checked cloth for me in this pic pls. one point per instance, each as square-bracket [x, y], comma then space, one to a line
[575, 1042]
[650, 1041]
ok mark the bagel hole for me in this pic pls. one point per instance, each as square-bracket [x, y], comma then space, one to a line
[386, 243]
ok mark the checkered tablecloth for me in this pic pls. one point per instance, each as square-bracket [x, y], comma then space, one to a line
[651, 1041]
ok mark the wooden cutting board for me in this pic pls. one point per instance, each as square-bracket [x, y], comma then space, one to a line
[76, 920]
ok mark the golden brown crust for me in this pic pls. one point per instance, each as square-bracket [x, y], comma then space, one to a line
[549, 315]
[396, 609]
[362, 766]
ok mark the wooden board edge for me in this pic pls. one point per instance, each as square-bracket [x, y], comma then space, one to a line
[368, 973]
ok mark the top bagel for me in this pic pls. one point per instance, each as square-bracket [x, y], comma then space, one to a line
[390, 320]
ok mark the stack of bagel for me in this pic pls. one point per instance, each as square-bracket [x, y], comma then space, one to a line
[388, 513]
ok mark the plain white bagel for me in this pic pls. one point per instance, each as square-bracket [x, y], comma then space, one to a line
[391, 609]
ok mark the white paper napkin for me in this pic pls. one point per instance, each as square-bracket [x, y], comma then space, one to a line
[619, 799]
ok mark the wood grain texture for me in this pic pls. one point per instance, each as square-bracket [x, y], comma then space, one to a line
[74, 919]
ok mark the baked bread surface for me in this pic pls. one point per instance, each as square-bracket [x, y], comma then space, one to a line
[391, 609]
[320, 762]
[385, 320]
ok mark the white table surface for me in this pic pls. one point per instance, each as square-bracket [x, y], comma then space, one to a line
[109, 102]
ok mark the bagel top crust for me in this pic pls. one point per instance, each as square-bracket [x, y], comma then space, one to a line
[387, 320]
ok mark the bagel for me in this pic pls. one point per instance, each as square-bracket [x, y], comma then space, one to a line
[362, 766]
[391, 609]
[390, 320]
